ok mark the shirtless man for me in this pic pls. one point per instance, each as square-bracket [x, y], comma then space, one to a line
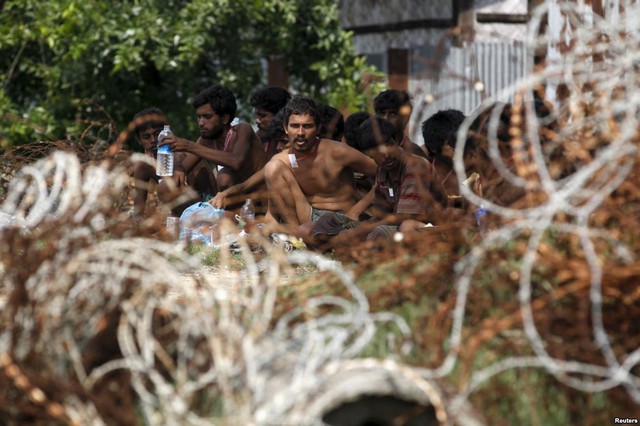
[222, 156]
[275, 133]
[405, 195]
[314, 175]
[148, 124]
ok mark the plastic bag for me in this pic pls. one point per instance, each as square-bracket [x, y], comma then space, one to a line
[196, 222]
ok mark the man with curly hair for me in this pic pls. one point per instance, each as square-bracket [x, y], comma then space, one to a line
[267, 102]
[223, 155]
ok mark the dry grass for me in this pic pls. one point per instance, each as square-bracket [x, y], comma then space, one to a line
[105, 320]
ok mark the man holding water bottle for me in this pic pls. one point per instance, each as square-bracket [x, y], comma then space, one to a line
[223, 155]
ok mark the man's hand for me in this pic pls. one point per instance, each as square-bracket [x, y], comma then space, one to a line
[220, 200]
[176, 144]
[474, 182]
[179, 178]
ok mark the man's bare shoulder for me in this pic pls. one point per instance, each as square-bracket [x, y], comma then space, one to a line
[281, 156]
[417, 162]
[243, 131]
[277, 160]
[330, 144]
[242, 126]
[420, 168]
[337, 149]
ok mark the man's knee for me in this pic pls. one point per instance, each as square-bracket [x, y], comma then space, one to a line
[174, 197]
[167, 190]
[274, 170]
[381, 232]
[143, 171]
[225, 180]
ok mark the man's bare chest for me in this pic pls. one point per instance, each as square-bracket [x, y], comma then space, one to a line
[317, 180]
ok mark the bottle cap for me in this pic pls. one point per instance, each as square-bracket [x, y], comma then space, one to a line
[481, 212]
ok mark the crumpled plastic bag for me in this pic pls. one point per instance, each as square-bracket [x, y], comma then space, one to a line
[196, 221]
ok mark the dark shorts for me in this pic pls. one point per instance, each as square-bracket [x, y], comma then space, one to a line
[382, 231]
[332, 223]
[317, 213]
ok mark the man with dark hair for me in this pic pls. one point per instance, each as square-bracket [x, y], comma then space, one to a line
[148, 124]
[351, 125]
[266, 103]
[222, 156]
[395, 106]
[405, 195]
[332, 123]
[440, 134]
[351, 130]
[314, 175]
[240, 191]
[441, 129]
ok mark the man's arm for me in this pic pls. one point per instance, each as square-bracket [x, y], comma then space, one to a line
[143, 174]
[362, 205]
[185, 162]
[219, 201]
[349, 157]
[233, 159]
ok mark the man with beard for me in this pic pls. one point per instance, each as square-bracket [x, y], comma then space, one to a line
[254, 187]
[222, 156]
[395, 106]
[267, 102]
[314, 175]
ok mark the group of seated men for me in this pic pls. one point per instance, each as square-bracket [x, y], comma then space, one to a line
[310, 171]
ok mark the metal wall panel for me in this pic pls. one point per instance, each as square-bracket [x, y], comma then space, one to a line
[452, 76]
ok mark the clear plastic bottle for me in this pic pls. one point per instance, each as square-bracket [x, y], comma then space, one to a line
[164, 159]
[248, 212]
[481, 219]
[247, 215]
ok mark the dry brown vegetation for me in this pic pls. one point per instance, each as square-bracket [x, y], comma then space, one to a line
[536, 322]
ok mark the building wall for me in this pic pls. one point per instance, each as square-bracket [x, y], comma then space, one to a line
[367, 12]
[441, 69]
[358, 15]
[496, 66]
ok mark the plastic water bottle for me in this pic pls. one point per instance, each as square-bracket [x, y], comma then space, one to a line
[164, 161]
[248, 211]
[481, 219]
[247, 214]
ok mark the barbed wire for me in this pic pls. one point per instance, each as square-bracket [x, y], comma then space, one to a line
[594, 107]
[223, 340]
[92, 306]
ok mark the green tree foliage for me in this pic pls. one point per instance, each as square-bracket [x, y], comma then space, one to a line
[82, 68]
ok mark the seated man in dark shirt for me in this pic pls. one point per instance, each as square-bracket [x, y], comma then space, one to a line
[395, 106]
